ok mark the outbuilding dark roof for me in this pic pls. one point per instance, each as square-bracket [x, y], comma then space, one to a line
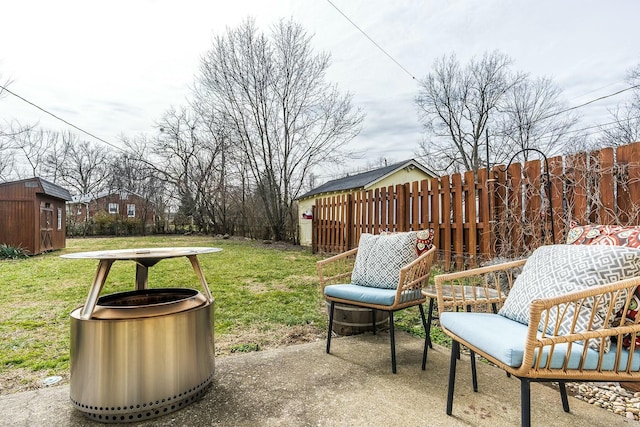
[53, 190]
[364, 179]
[48, 188]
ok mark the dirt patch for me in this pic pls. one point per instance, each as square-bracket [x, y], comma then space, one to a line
[264, 340]
[17, 380]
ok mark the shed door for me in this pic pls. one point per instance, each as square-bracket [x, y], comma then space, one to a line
[46, 228]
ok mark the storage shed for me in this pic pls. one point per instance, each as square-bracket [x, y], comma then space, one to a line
[32, 215]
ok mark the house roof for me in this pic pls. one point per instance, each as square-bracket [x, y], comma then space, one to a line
[365, 179]
[48, 188]
[87, 198]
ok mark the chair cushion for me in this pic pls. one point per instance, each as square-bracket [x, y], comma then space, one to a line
[504, 339]
[558, 269]
[368, 295]
[364, 294]
[380, 258]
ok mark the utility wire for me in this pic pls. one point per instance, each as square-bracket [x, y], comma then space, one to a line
[61, 119]
[371, 40]
[588, 102]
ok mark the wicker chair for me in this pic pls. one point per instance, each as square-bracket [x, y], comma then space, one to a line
[521, 349]
[335, 275]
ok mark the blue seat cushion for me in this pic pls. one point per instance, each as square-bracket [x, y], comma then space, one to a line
[369, 295]
[505, 339]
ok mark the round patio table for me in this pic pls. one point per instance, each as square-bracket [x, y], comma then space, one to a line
[144, 258]
[144, 353]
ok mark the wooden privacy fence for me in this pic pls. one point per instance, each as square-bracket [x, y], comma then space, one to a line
[496, 213]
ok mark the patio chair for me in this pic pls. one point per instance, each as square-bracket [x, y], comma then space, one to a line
[470, 294]
[570, 316]
[385, 272]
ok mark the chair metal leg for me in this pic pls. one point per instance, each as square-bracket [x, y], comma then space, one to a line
[474, 374]
[373, 314]
[331, 309]
[563, 395]
[429, 320]
[393, 343]
[427, 340]
[455, 350]
[525, 402]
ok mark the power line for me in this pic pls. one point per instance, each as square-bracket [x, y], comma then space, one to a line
[371, 40]
[588, 102]
[61, 119]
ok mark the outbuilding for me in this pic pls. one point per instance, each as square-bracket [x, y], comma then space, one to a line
[397, 173]
[32, 215]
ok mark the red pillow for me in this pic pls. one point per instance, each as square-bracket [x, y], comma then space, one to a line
[586, 234]
[425, 241]
[613, 235]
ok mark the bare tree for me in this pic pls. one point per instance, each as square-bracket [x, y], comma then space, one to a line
[458, 104]
[34, 147]
[532, 116]
[186, 156]
[7, 132]
[625, 126]
[283, 115]
[81, 166]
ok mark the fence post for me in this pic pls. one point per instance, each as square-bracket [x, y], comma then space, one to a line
[350, 232]
[556, 199]
[470, 217]
[484, 205]
[628, 186]
[606, 214]
[458, 240]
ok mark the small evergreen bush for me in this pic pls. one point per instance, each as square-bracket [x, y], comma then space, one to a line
[10, 252]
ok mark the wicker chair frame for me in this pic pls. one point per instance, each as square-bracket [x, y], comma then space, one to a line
[413, 278]
[499, 279]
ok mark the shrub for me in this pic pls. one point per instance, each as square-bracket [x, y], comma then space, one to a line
[10, 252]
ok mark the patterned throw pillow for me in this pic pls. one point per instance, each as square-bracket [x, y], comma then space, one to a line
[628, 236]
[586, 234]
[380, 258]
[424, 241]
[557, 269]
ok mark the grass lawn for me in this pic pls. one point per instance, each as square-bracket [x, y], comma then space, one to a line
[265, 296]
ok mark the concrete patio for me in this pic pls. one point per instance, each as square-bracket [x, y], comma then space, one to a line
[301, 385]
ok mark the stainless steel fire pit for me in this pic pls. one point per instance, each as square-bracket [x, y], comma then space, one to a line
[144, 353]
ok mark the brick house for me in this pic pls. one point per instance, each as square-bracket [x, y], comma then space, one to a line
[120, 205]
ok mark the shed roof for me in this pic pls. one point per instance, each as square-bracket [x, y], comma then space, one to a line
[53, 190]
[365, 179]
[46, 187]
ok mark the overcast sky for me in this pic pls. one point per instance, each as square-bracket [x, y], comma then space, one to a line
[113, 67]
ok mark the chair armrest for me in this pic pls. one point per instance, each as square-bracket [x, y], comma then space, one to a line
[415, 275]
[477, 289]
[566, 307]
[336, 269]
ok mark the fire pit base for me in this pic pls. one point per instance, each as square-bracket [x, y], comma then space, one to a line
[142, 354]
